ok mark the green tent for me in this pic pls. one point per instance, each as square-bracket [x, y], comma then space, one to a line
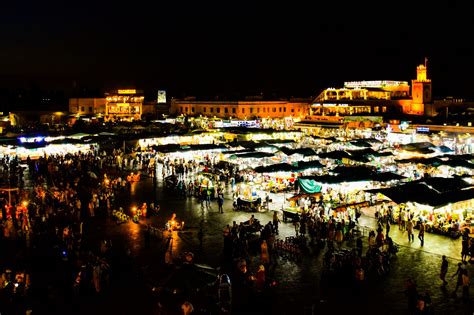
[309, 186]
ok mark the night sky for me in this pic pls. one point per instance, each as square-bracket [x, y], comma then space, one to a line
[233, 47]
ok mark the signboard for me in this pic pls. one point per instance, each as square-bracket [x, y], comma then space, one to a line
[422, 129]
[376, 119]
[241, 123]
[127, 91]
[374, 84]
[161, 97]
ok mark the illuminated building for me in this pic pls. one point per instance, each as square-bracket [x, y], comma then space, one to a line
[382, 98]
[124, 105]
[118, 105]
[247, 109]
[421, 93]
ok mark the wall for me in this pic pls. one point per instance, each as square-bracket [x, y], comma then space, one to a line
[87, 106]
[240, 110]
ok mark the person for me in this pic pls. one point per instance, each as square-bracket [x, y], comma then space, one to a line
[427, 299]
[208, 198]
[267, 201]
[465, 246]
[276, 220]
[380, 239]
[358, 213]
[372, 242]
[411, 237]
[296, 223]
[465, 285]
[260, 281]
[458, 273]
[220, 203]
[264, 255]
[412, 295]
[421, 233]
[444, 271]
[187, 308]
[387, 227]
[252, 220]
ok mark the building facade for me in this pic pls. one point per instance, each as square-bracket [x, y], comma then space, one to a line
[241, 109]
[377, 98]
[118, 105]
[124, 105]
[421, 93]
[87, 106]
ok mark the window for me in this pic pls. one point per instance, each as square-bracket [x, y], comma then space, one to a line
[218, 110]
[251, 110]
[274, 109]
[233, 110]
[284, 109]
[292, 110]
[204, 109]
[376, 109]
[226, 110]
[192, 109]
[181, 109]
[82, 108]
[279, 109]
[384, 109]
[243, 110]
[258, 109]
[263, 109]
[90, 109]
[186, 109]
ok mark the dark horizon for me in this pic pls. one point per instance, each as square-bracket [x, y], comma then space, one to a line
[233, 49]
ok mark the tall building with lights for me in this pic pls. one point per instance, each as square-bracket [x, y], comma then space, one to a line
[421, 93]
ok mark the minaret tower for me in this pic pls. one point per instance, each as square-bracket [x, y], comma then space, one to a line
[421, 92]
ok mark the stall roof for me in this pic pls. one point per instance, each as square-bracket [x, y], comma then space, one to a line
[257, 155]
[335, 155]
[423, 194]
[444, 149]
[360, 143]
[250, 144]
[416, 146]
[324, 138]
[458, 163]
[169, 148]
[467, 157]
[239, 151]
[443, 184]
[278, 141]
[280, 167]
[285, 167]
[379, 154]
[425, 161]
[301, 151]
[304, 165]
[354, 176]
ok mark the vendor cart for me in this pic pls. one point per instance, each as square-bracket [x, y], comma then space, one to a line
[242, 204]
[292, 213]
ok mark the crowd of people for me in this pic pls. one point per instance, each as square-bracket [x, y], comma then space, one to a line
[53, 214]
[67, 191]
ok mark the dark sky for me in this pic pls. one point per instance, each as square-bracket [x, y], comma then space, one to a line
[201, 47]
